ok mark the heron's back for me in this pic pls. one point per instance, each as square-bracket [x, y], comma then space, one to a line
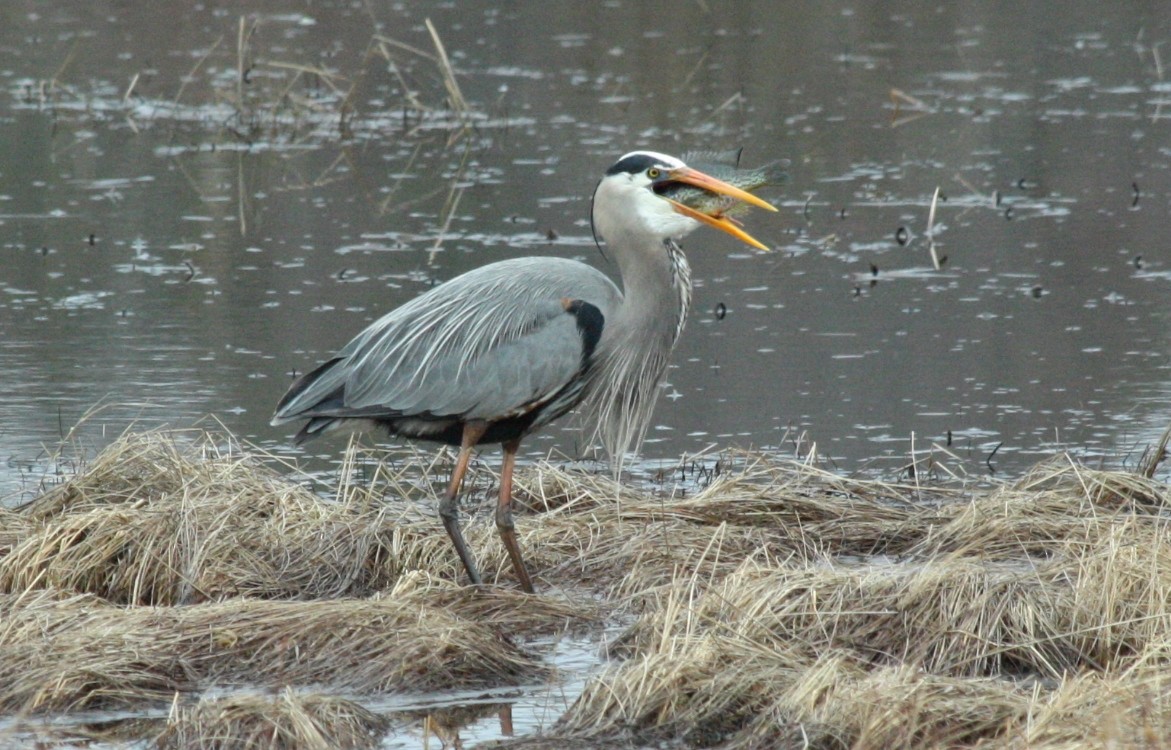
[497, 343]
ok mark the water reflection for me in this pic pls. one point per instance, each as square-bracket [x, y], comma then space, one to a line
[187, 221]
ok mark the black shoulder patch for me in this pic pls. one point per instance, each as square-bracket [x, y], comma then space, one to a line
[590, 322]
[639, 161]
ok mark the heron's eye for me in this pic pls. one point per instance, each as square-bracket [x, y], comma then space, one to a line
[654, 173]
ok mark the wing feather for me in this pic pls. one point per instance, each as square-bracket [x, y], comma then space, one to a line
[484, 345]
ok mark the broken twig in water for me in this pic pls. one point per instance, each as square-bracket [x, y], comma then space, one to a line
[931, 229]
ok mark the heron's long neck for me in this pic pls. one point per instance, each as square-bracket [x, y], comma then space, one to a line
[656, 289]
[636, 344]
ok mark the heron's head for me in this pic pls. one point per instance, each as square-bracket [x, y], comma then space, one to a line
[630, 201]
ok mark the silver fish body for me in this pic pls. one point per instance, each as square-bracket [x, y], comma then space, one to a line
[723, 166]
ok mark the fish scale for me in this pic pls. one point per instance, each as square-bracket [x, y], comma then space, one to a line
[723, 166]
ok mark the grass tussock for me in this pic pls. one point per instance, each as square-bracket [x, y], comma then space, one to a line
[288, 720]
[821, 612]
[157, 521]
[779, 606]
[602, 534]
[89, 654]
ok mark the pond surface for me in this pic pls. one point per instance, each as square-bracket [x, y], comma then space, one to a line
[197, 202]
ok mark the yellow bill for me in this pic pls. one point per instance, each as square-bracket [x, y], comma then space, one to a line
[721, 223]
[707, 182]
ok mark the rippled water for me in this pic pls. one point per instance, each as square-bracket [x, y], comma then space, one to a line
[179, 238]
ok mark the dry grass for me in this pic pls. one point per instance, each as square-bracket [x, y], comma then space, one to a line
[296, 722]
[1032, 614]
[626, 542]
[64, 653]
[154, 521]
[175, 563]
[780, 606]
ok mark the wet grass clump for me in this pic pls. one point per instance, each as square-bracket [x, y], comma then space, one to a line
[90, 654]
[779, 606]
[285, 721]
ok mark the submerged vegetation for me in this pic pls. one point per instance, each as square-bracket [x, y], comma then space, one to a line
[779, 606]
[242, 85]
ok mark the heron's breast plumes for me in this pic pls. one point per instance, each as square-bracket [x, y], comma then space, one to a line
[633, 355]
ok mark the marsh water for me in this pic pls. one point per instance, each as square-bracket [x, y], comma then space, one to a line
[197, 201]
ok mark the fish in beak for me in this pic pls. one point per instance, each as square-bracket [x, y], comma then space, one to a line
[717, 219]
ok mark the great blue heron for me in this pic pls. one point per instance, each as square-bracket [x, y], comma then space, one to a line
[502, 350]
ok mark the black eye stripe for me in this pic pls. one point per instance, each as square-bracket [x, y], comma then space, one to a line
[633, 163]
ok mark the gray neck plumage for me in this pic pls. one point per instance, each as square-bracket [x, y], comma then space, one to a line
[656, 294]
[636, 346]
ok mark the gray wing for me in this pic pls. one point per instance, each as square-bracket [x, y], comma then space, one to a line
[485, 345]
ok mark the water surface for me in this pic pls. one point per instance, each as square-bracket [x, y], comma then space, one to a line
[186, 221]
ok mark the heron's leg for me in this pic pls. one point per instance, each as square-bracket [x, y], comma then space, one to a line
[504, 516]
[505, 715]
[449, 506]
